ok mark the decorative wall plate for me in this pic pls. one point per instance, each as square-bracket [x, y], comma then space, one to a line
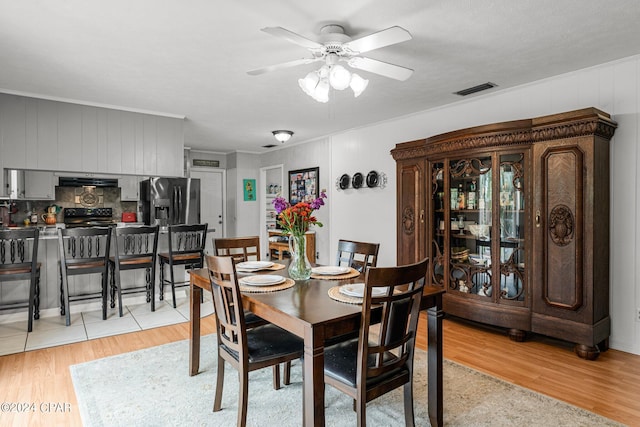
[357, 180]
[372, 179]
[343, 182]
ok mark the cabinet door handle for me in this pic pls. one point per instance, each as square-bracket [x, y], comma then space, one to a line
[538, 218]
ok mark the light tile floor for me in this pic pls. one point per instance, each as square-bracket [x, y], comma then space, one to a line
[87, 323]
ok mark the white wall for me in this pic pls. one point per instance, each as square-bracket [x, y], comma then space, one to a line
[243, 217]
[369, 214]
[316, 154]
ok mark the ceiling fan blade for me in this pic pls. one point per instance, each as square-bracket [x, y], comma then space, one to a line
[378, 67]
[377, 40]
[292, 37]
[281, 66]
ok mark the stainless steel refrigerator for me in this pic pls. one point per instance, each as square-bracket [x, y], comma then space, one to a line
[170, 201]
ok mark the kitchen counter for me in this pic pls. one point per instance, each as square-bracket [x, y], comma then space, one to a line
[46, 231]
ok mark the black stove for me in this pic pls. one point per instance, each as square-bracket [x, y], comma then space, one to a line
[88, 217]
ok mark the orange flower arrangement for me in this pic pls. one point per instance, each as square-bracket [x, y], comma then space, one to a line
[297, 219]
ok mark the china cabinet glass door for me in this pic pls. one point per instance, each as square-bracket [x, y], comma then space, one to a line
[512, 227]
[439, 209]
[468, 226]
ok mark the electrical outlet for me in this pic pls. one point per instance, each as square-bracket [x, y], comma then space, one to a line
[638, 314]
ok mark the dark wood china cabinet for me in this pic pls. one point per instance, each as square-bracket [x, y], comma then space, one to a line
[515, 218]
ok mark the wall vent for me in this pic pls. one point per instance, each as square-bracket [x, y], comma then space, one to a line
[474, 89]
[269, 146]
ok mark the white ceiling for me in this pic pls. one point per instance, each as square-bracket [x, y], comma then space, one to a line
[190, 57]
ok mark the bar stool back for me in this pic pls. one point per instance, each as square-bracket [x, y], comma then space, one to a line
[83, 250]
[135, 248]
[186, 247]
[19, 261]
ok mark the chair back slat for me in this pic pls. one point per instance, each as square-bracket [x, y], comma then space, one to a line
[357, 255]
[392, 346]
[240, 248]
[230, 322]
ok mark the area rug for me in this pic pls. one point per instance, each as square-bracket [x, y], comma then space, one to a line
[152, 387]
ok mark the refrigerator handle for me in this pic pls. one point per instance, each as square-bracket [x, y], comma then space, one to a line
[174, 206]
[180, 208]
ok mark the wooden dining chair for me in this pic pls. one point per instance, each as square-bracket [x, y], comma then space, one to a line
[186, 247]
[19, 262]
[243, 249]
[375, 363]
[83, 251]
[358, 255]
[135, 248]
[240, 248]
[243, 348]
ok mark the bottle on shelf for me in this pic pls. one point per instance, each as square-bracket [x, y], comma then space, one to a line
[471, 195]
[461, 197]
[454, 198]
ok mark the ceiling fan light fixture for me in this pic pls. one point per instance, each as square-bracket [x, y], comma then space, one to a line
[321, 93]
[282, 135]
[309, 83]
[335, 46]
[339, 77]
[358, 84]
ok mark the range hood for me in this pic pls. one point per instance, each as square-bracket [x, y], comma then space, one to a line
[72, 181]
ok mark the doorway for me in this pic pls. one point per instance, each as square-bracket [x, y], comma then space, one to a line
[212, 198]
[272, 181]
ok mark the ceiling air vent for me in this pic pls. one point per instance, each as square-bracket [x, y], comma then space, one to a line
[479, 88]
[269, 146]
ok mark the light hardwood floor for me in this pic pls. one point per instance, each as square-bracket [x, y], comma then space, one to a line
[609, 386]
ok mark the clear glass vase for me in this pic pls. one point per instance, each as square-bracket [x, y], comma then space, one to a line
[300, 267]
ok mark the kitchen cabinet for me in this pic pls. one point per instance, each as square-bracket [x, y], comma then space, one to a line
[129, 188]
[3, 187]
[39, 185]
[29, 185]
[14, 184]
[69, 138]
[49, 135]
[13, 116]
[511, 215]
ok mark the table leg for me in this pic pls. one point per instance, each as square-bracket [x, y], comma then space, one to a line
[434, 326]
[194, 328]
[313, 391]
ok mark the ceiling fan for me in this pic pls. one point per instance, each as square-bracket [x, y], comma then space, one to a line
[335, 46]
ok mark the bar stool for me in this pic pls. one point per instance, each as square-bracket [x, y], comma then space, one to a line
[186, 247]
[83, 250]
[17, 262]
[135, 248]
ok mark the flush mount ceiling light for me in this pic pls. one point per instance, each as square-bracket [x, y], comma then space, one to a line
[282, 135]
[335, 46]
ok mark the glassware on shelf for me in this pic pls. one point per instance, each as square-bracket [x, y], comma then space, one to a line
[461, 223]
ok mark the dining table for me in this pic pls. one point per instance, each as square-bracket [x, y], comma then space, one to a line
[307, 310]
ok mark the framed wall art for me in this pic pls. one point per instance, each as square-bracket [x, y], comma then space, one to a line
[249, 190]
[303, 185]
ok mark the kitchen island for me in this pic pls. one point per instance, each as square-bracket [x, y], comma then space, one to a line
[48, 257]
